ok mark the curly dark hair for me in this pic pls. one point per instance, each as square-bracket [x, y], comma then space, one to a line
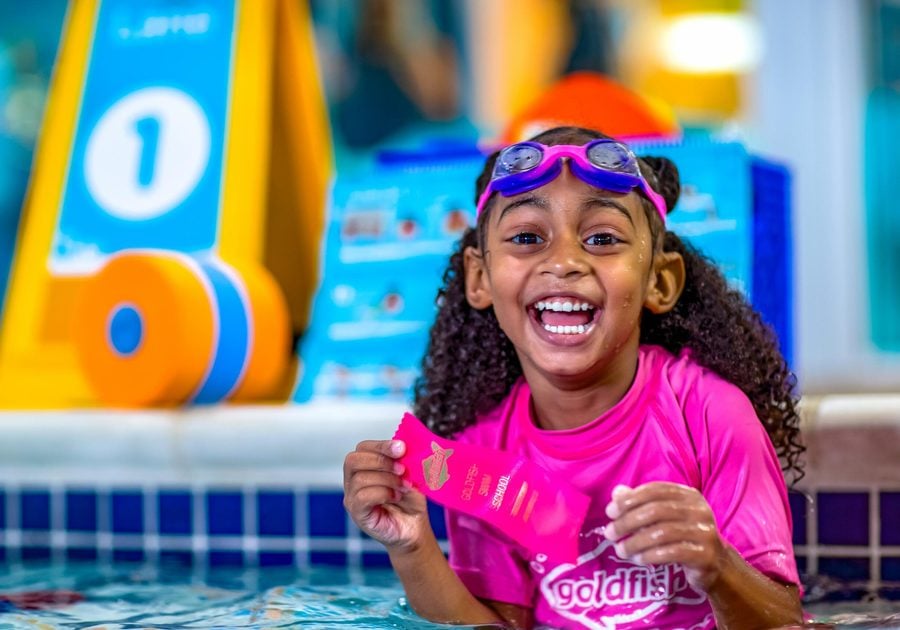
[470, 364]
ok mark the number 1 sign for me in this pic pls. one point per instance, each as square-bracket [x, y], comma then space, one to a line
[158, 259]
[148, 154]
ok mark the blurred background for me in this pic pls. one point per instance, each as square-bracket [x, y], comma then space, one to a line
[252, 201]
[28, 43]
[811, 86]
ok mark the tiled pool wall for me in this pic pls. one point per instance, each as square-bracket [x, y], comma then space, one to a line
[847, 509]
[238, 487]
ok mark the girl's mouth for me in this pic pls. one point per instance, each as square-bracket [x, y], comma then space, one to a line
[565, 316]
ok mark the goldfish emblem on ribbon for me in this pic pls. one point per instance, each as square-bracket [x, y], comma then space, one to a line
[435, 466]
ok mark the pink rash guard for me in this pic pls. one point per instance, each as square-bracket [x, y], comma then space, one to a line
[679, 423]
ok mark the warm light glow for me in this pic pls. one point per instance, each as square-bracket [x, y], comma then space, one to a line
[711, 42]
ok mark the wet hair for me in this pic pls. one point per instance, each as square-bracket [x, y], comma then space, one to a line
[470, 364]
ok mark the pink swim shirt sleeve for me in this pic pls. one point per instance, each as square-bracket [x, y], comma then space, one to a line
[742, 480]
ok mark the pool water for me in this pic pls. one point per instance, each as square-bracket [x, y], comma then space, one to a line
[105, 598]
[118, 597]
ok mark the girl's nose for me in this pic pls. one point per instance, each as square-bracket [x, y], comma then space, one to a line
[566, 257]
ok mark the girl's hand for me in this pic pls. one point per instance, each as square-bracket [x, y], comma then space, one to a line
[378, 500]
[665, 523]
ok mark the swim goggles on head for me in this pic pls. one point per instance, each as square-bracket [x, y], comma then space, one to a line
[603, 163]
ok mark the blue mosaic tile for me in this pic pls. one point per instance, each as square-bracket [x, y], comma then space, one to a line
[846, 594]
[847, 569]
[81, 511]
[224, 513]
[842, 518]
[375, 560]
[890, 569]
[438, 522]
[889, 506]
[81, 554]
[226, 559]
[176, 559]
[175, 512]
[2, 509]
[330, 558]
[2, 555]
[128, 555]
[798, 503]
[889, 593]
[35, 553]
[127, 511]
[34, 510]
[276, 559]
[275, 513]
[327, 516]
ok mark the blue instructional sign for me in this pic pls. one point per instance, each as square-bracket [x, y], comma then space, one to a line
[388, 240]
[714, 212]
[148, 154]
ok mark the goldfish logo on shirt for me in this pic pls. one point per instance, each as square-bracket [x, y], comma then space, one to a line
[601, 591]
[435, 466]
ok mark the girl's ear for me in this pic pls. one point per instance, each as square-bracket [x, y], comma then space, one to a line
[666, 282]
[478, 292]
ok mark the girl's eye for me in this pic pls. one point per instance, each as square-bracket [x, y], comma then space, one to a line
[526, 238]
[604, 238]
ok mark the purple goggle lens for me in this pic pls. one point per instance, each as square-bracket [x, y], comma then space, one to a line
[603, 163]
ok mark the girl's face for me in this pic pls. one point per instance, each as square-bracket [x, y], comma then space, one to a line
[568, 270]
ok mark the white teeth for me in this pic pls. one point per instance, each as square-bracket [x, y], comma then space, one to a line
[566, 307]
[567, 330]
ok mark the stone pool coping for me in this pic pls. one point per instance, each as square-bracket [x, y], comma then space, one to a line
[852, 440]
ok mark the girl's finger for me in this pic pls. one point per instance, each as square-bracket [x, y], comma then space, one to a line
[412, 501]
[388, 448]
[363, 478]
[655, 514]
[366, 499]
[685, 553]
[661, 536]
[625, 499]
[369, 460]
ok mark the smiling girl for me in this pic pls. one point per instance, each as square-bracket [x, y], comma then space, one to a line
[575, 331]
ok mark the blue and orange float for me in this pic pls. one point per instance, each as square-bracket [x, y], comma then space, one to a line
[161, 328]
